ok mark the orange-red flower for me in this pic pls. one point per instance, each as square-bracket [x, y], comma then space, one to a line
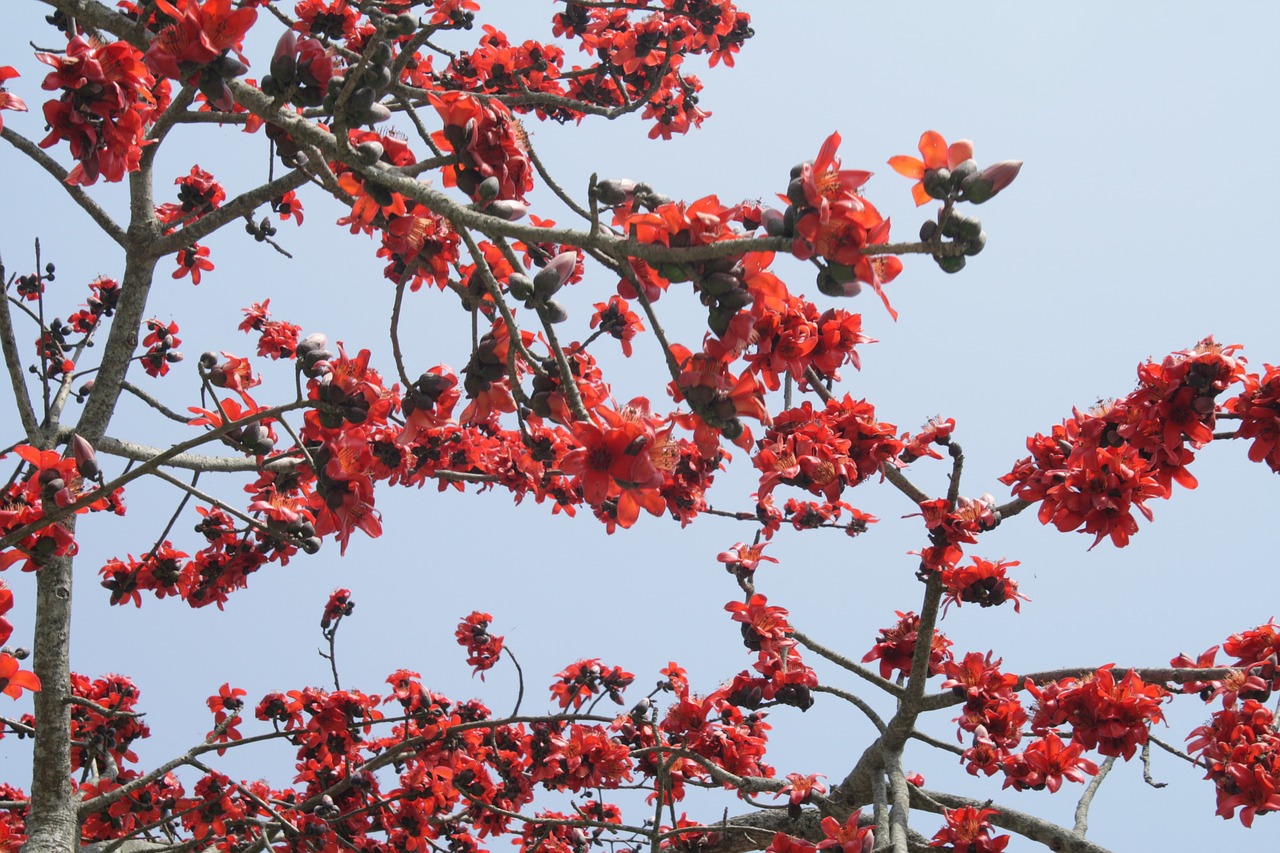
[937, 155]
[14, 680]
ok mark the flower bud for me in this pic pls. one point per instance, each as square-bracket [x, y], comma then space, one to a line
[370, 152]
[615, 191]
[772, 220]
[555, 312]
[991, 180]
[519, 286]
[488, 189]
[507, 209]
[86, 457]
[553, 276]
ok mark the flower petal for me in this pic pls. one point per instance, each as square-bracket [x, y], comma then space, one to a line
[908, 167]
[934, 149]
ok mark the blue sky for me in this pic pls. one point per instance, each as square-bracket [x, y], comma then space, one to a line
[1142, 221]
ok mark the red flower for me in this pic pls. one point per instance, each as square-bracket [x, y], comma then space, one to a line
[1259, 409]
[9, 101]
[1045, 763]
[983, 582]
[897, 644]
[744, 558]
[616, 319]
[483, 648]
[288, 206]
[937, 155]
[195, 260]
[199, 35]
[614, 461]
[585, 679]
[848, 837]
[968, 830]
[14, 680]
[799, 791]
[338, 605]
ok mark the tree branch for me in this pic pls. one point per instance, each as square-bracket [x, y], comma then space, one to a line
[79, 196]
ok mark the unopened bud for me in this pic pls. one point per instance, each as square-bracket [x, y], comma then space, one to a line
[488, 189]
[86, 458]
[991, 180]
[507, 209]
[615, 191]
[553, 276]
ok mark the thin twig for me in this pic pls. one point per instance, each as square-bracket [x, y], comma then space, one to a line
[1086, 799]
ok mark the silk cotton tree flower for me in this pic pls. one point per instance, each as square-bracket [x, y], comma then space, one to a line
[936, 154]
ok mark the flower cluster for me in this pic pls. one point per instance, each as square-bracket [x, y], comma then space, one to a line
[784, 677]
[198, 194]
[897, 645]
[984, 583]
[277, 338]
[105, 109]
[585, 679]
[950, 527]
[492, 163]
[827, 450]
[1241, 749]
[1258, 407]
[483, 648]
[1113, 717]
[1093, 470]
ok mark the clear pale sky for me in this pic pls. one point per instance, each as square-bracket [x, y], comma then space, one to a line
[1142, 221]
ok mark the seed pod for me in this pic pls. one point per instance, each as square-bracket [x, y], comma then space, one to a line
[951, 263]
[720, 283]
[795, 193]
[403, 25]
[555, 312]
[734, 300]
[772, 220]
[370, 152]
[379, 77]
[976, 245]
[382, 53]
[962, 172]
[308, 97]
[519, 286]
[488, 189]
[378, 113]
[380, 194]
[718, 320]
[937, 182]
